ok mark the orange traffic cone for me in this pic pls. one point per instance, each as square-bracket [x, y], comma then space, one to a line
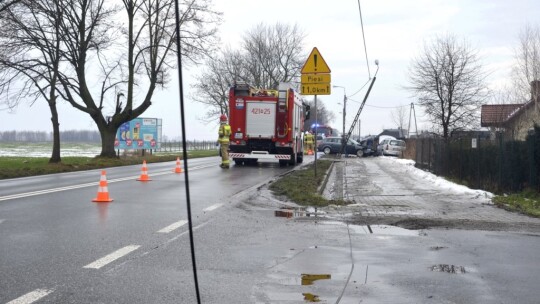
[144, 173]
[309, 152]
[103, 191]
[178, 168]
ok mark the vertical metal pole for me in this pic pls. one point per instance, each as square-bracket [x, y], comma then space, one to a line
[316, 122]
[344, 115]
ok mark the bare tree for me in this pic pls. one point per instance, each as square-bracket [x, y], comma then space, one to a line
[324, 116]
[102, 60]
[6, 4]
[448, 80]
[399, 116]
[148, 42]
[274, 54]
[31, 58]
[527, 55]
[217, 78]
[268, 55]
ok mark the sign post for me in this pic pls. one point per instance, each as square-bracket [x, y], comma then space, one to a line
[315, 81]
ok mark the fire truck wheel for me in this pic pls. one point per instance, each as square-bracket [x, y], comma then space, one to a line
[238, 162]
[300, 158]
[283, 162]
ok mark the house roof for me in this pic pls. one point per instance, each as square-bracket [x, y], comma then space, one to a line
[397, 133]
[496, 115]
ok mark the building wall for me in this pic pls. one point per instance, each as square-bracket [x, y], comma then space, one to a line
[519, 127]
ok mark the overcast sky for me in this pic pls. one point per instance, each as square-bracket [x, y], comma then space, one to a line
[395, 31]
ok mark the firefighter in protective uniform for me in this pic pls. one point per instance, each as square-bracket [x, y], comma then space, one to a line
[223, 139]
[310, 141]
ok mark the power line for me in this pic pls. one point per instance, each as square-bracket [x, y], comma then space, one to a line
[184, 148]
[359, 89]
[368, 105]
[364, 38]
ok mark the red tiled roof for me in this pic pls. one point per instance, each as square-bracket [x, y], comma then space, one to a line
[496, 115]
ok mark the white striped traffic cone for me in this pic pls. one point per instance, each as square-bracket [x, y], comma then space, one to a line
[103, 190]
[178, 169]
[144, 173]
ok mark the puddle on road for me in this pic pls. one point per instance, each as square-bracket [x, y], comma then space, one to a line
[287, 295]
[383, 230]
[311, 297]
[448, 268]
[308, 279]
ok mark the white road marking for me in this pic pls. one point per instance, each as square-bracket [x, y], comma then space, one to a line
[112, 257]
[213, 207]
[173, 226]
[32, 296]
[174, 238]
[39, 192]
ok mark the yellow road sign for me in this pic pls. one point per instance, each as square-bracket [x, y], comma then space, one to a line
[315, 63]
[316, 89]
[315, 78]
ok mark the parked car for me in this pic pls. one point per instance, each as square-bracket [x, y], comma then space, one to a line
[393, 147]
[332, 145]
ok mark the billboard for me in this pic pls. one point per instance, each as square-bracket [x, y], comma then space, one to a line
[139, 133]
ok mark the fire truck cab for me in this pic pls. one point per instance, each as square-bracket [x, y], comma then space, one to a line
[266, 124]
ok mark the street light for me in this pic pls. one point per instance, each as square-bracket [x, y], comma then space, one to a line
[344, 115]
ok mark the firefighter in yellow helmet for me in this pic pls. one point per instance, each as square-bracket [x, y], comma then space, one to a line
[223, 139]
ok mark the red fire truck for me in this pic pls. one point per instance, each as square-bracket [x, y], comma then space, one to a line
[266, 124]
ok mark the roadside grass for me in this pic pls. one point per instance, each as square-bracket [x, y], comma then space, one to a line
[527, 202]
[301, 186]
[12, 167]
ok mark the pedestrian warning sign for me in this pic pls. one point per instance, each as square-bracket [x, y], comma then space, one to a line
[315, 63]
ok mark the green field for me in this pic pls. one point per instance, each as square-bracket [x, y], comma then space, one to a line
[22, 159]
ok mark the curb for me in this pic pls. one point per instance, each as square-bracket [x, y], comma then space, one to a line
[322, 187]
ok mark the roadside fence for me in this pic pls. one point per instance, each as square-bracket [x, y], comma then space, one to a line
[498, 165]
[171, 146]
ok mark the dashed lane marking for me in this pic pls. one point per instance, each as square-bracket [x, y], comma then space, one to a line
[173, 226]
[112, 257]
[213, 207]
[39, 192]
[32, 296]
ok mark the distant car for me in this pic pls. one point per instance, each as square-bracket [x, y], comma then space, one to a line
[393, 147]
[332, 145]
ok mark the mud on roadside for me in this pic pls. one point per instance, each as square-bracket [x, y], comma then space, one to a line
[418, 223]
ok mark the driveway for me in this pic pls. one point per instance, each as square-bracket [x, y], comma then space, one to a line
[387, 190]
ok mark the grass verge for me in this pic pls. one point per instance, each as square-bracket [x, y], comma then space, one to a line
[301, 186]
[13, 167]
[527, 202]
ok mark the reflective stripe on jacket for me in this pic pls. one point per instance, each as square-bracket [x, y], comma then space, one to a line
[224, 133]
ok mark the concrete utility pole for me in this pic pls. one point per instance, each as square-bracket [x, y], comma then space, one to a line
[343, 143]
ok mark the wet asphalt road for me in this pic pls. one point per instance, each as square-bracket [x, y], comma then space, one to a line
[248, 254]
[50, 230]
